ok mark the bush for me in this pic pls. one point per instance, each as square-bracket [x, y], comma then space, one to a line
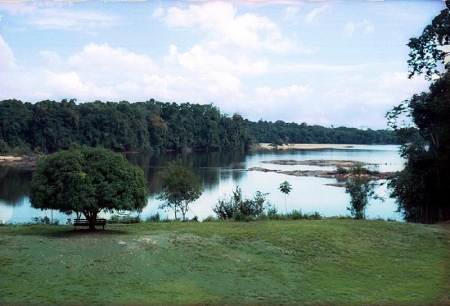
[154, 218]
[124, 218]
[295, 215]
[209, 219]
[238, 208]
[44, 220]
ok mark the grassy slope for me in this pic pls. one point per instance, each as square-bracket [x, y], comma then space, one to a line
[339, 262]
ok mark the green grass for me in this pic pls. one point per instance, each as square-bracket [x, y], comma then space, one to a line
[311, 262]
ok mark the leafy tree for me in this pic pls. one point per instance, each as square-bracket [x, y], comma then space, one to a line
[421, 188]
[360, 189]
[285, 188]
[88, 180]
[239, 208]
[426, 51]
[181, 186]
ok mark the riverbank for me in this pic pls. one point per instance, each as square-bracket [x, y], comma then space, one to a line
[313, 262]
[27, 161]
[340, 175]
[305, 146]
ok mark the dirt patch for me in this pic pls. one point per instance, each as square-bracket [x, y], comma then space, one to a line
[27, 161]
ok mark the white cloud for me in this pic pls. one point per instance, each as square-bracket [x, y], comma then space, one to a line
[17, 8]
[70, 19]
[200, 61]
[158, 13]
[313, 14]
[365, 26]
[291, 13]
[224, 27]
[102, 62]
[52, 58]
[7, 61]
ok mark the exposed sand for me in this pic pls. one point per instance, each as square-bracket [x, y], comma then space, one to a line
[9, 158]
[306, 146]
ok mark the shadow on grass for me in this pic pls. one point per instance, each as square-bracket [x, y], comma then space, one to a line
[65, 232]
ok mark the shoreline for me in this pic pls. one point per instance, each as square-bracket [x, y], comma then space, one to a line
[27, 161]
[305, 146]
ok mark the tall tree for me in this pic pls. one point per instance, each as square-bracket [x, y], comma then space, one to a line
[426, 51]
[420, 189]
[285, 188]
[360, 189]
[88, 181]
[181, 186]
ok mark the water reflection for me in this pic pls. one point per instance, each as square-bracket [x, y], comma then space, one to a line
[221, 172]
[14, 183]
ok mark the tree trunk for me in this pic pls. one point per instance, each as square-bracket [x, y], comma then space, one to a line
[92, 218]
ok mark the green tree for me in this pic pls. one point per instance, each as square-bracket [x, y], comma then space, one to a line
[239, 208]
[285, 188]
[426, 51]
[88, 180]
[420, 189]
[360, 189]
[181, 186]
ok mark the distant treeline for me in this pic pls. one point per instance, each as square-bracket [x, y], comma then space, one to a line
[49, 126]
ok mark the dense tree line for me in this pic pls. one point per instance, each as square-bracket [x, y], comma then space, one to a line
[49, 126]
[280, 132]
[421, 187]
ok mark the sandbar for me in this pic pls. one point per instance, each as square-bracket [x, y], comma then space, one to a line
[306, 146]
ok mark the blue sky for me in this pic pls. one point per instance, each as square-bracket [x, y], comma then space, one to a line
[340, 63]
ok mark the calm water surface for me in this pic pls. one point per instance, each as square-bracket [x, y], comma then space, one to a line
[221, 172]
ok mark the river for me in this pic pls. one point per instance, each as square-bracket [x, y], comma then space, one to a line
[222, 172]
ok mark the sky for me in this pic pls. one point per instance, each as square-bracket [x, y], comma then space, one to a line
[330, 63]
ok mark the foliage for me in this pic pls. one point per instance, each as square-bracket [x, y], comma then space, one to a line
[124, 218]
[44, 220]
[88, 180]
[49, 126]
[154, 218]
[285, 188]
[181, 186]
[421, 188]
[281, 132]
[360, 189]
[238, 208]
[425, 51]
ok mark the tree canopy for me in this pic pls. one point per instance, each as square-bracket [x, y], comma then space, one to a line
[49, 126]
[88, 180]
[426, 51]
[421, 188]
[181, 186]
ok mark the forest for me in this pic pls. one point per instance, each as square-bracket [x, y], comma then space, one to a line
[48, 126]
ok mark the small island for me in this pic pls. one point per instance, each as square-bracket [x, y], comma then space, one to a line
[340, 173]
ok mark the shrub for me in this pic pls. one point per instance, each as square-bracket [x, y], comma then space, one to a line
[295, 215]
[154, 218]
[238, 208]
[44, 220]
[124, 218]
[209, 219]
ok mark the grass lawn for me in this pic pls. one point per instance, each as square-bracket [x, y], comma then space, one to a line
[311, 262]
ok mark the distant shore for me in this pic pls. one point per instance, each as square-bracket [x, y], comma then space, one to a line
[27, 161]
[30, 160]
[305, 146]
